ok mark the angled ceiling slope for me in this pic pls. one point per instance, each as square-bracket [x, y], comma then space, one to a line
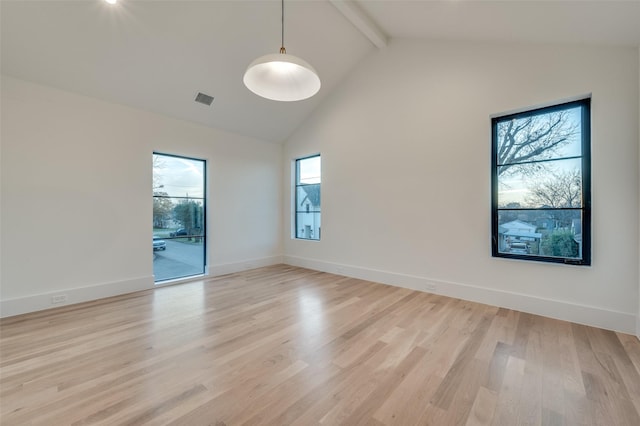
[157, 55]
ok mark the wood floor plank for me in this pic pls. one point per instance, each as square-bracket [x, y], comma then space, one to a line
[552, 375]
[459, 369]
[483, 407]
[509, 395]
[283, 345]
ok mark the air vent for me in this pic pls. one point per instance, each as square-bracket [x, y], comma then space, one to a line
[204, 99]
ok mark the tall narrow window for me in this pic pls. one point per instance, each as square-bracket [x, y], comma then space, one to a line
[541, 202]
[307, 198]
[179, 228]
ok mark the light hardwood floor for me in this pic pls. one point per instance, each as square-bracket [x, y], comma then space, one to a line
[283, 345]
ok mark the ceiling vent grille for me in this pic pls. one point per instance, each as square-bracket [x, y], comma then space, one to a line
[204, 99]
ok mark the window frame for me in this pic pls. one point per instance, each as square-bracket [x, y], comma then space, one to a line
[585, 206]
[296, 206]
[204, 200]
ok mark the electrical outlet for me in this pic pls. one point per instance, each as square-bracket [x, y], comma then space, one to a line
[60, 298]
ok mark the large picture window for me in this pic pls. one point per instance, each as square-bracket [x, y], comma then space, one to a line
[541, 198]
[179, 226]
[307, 198]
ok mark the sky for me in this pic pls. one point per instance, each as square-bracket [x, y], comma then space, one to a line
[177, 176]
[310, 170]
[513, 188]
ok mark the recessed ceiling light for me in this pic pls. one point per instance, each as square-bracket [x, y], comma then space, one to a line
[111, 1]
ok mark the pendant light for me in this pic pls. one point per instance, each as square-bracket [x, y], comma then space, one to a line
[282, 77]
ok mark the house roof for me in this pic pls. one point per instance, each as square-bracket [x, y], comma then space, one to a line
[518, 224]
[313, 194]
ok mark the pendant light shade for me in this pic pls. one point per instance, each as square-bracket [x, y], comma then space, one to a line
[282, 77]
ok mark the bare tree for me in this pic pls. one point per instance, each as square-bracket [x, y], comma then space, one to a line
[533, 138]
[162, 204]
[162, 209]
[559, 190]
[158, 163]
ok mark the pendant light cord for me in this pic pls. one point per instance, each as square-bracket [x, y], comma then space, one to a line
[282, 49]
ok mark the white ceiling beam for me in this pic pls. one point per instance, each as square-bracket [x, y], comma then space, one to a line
[362, 22]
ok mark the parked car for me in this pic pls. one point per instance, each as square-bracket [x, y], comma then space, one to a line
[179, 233]
[519, 248]
[159, 244]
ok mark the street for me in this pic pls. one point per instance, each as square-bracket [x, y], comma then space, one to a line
[180, 259]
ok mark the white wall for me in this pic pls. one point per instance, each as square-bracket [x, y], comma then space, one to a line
[405, 146]
[638, 316]
[76, 196]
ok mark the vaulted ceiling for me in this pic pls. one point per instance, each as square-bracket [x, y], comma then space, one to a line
[157, 55]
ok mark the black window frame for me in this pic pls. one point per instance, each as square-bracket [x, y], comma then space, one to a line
[585, 205]
[297, 206]
[204, 200]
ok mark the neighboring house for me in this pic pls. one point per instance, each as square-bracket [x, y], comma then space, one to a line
[517, 237]
[308, 216]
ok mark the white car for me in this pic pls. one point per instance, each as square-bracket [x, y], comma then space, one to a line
[159, 244]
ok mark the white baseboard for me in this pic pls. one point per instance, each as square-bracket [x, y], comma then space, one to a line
[39, 302]
[582, 314]
[230, 268]
[638, 326]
